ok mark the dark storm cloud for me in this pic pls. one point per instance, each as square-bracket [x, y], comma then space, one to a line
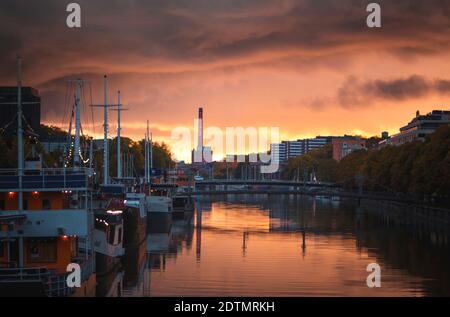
[398, 89]
[358, 93]
[201, 31]
[170, 38]
[442, 86]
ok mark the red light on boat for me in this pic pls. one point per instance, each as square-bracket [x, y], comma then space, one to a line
[65, 238]
[11, 194]
[35, 193]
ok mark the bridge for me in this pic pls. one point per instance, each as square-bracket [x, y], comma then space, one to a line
[282, 187]
[275, 183]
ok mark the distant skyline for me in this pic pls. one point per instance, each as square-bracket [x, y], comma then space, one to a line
[308, 67]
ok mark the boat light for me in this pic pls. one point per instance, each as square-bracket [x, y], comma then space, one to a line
[114, 212]
[11, 194]
[35, 193]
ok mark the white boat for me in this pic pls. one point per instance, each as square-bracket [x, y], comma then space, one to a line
[159, 204]
[159, 211]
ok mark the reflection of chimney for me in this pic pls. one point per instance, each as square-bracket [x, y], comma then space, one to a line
[200, 129]
[417, 113]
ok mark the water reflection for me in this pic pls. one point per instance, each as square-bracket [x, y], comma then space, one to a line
[291, 246]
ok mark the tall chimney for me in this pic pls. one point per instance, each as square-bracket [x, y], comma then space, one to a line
[200, 130]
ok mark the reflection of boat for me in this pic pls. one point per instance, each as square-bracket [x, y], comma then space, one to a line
[158, 242]
[110, 284]
[134, 265]
[182, 204]
[335, 201]
[322, 197]
[182, 232]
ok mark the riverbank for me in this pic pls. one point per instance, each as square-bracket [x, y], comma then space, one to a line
[409, 213]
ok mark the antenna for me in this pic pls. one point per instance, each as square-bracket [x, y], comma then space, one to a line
[151, 152]
[20, 152]
[119, 109]
[76, 150]
[105, 107]
[147, 155]
[19, 131]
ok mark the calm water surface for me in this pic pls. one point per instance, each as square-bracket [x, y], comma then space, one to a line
[291, 246]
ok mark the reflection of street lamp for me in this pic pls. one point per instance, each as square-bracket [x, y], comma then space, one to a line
[303, 242]
[359, 181]
[244, 242]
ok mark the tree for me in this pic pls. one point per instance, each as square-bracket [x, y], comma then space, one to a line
[318, 161]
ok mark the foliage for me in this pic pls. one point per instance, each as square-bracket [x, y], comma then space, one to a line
[319, 162]
[417, 168]
[162, 156]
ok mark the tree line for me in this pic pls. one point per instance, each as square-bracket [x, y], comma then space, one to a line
[420, 168]
[162, 156]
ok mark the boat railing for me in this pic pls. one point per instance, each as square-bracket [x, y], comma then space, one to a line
[46, 171]
[8, 264]
[46, 179]
[24, 274]
[55, 285]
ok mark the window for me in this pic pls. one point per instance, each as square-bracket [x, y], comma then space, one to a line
[2, 249]
[42, 250]
[74, 243]
[46, 204]
[112, 231]
[119, 237]
[2, 204]
[25, 204]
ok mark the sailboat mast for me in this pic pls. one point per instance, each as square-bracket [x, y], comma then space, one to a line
[105, 137]
[145, 158]
[119, 163]
[91, 152]
[19, 132]
[20, 158]
[148, 154]
[151, 153]
[76, 149]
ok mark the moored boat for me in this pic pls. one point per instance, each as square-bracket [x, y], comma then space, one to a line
[108, 241]
[49, 231]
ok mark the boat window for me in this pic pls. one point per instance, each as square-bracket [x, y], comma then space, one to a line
[112, 233]
[25, 204]
[2, 249]
[42, 250]
[74, 247]
[2, 204]
[46, 204]
[119, 237]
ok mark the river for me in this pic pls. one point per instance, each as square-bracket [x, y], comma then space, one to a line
[244, 245]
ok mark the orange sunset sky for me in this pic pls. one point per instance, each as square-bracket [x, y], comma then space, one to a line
[308, 67]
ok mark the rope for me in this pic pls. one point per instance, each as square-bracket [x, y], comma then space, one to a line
[92, 110]
[3, 129]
